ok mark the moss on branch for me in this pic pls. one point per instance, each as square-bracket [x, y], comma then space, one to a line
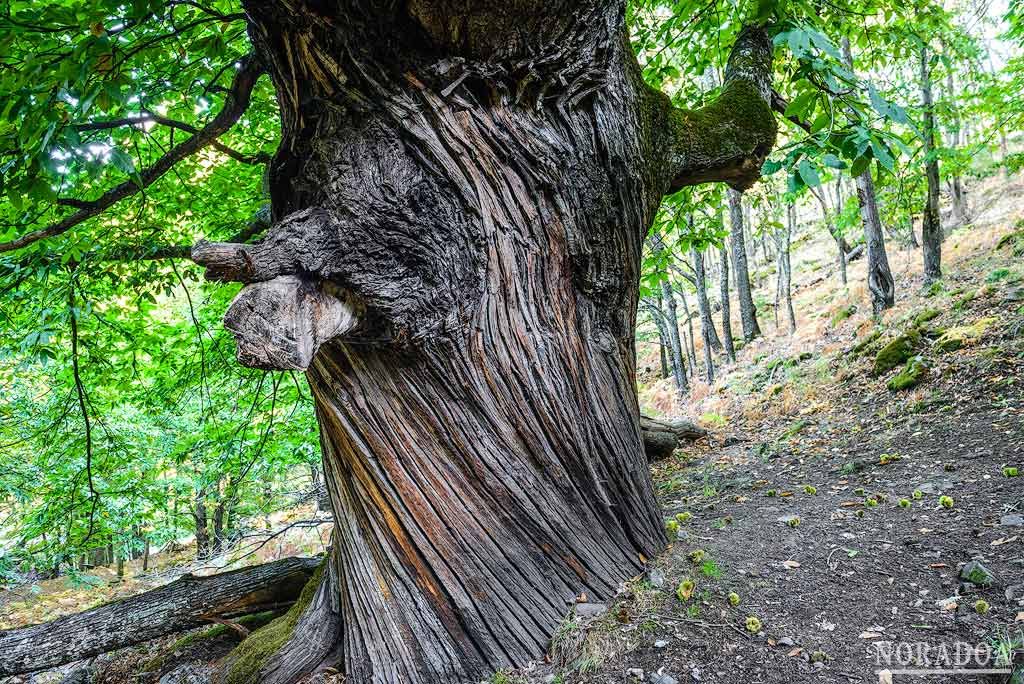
[728, 139]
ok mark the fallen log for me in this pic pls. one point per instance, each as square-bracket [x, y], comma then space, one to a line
[662, 437]
[185, 603]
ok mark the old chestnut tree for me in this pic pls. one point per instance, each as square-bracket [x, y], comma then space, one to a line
[458, 203]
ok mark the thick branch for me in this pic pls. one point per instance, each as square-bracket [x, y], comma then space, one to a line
[728, 139]
[186, 603]
[236, 104]
[160, 252]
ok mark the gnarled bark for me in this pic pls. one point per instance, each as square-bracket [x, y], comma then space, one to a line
[465, 188]
[185, 603]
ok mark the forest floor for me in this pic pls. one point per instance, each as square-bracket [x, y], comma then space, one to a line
[819, 499]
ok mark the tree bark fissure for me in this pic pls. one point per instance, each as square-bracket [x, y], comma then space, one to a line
[459, 203]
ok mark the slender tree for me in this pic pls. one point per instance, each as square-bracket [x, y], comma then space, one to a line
[662, 336]
[748, 312]
[675, 345]
[828, 217]
[723, 280]
[881, 286]
[691, 347]
[957, 137]
[931, 222]
[707, 324]
[785, 267]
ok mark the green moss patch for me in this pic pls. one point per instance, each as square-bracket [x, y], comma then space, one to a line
[896, 352]
[864, 345]
[248, 660]
[843, 314]
[912, 375]
[925, 316]
[956, 338]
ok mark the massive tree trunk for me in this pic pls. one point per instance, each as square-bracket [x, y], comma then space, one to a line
[931, 223]
[459, 203]
[748, 313]
[881, 285]
[186, 603]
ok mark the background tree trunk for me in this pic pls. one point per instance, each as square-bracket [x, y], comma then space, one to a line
[784, 263]
[1004, 155]
[958, 137]
[748, 313]
[723, 280]
[689, 340]
[672, 327]
[931, 222]
[881, 285]
[199, 516]
[707, 323]
[830, 225]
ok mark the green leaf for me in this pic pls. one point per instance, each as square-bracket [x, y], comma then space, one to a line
[125, 163]
[809, 174]
[860, 165]
[832, 161]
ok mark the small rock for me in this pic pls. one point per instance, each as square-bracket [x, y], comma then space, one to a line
[976, 573]
[635, 673]
[695, 673]
[787, 519]
[819, 665]
[1015, 593]
[550, 679]
[591, 610]
[947, 603]
[657, 578]
[660, 643]
[786, 641]
[1012, 520]
[659, 678]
